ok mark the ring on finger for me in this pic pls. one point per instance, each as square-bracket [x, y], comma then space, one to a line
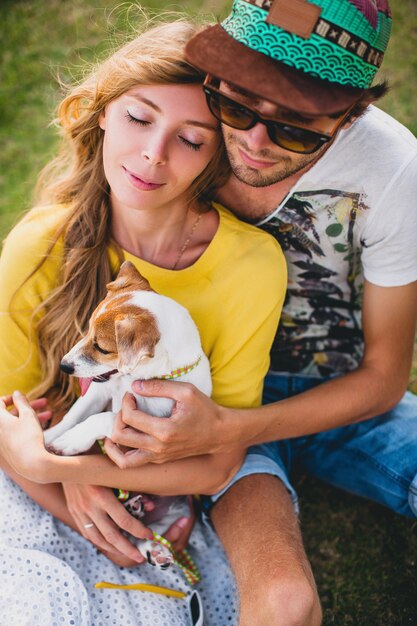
[89, 525]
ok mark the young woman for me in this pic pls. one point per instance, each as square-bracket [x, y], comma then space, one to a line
[140, 157]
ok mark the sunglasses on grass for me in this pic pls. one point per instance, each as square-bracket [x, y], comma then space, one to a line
[241, 117]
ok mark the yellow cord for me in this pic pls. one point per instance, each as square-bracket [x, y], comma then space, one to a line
[164, 591]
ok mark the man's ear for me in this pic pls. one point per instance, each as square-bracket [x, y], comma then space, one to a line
[129, 278]
[136, 338]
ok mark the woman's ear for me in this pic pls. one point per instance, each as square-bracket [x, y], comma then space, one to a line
[102, 120]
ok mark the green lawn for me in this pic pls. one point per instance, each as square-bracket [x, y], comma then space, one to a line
[364, 557]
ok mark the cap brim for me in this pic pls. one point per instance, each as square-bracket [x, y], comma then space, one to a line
[214, 51]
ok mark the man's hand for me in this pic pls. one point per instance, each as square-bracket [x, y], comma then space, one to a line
[195, 427]
[89, 504]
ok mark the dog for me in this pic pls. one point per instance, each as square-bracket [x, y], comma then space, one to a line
[134, 333]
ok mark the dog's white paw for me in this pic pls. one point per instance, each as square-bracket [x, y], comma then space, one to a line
[157, 554]
[69, 443]
[81, 437]
[51, 433]
[63, 448]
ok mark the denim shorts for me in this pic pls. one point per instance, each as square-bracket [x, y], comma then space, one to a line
[376, 458]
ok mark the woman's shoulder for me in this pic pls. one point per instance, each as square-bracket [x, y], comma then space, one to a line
[41, 222]
[249, 261]
[33, 237]
[234, 224]
[37, 229]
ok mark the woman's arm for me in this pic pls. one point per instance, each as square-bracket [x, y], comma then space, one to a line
[50, 497]
[21, 445]
[99, 504]
[206, 474]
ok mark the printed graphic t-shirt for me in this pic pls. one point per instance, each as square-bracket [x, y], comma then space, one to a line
[351, 217]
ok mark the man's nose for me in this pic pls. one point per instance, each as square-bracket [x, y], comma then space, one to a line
[257, 138]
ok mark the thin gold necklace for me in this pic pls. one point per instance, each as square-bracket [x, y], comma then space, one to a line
[187, 241]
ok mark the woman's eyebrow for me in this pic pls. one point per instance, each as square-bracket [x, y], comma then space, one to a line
[148, 102]
[207, 125]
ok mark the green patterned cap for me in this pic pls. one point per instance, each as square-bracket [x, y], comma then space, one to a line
[342, 41]
[313, 56]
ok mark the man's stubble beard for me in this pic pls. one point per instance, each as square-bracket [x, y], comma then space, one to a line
[284, 167]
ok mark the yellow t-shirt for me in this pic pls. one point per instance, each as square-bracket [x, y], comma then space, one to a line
[234, 293]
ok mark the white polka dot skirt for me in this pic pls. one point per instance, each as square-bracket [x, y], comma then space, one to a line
[48, 573]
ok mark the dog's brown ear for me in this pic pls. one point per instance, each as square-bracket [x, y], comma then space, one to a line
[136, 338]
[129, 278]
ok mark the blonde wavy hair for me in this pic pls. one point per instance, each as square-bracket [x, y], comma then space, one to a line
[76, 178]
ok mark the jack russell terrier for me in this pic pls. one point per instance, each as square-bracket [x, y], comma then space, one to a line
[134, 333]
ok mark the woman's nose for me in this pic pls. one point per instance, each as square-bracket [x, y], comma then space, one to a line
[155, 154]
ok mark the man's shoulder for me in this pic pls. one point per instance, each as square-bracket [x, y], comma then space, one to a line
[376, 137]
[381, 126]
[366, 157]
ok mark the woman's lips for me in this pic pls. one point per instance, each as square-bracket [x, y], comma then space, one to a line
[253, 162]
[141, 184]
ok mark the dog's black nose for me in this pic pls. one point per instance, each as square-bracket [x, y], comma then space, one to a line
[68, 369]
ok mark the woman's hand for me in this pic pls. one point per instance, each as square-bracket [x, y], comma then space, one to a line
[21, 436]
[179, 532]
[39, 406]
[89, 504]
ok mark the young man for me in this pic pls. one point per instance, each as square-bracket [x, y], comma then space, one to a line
[336, 183]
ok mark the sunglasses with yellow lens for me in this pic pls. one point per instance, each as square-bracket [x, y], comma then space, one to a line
[242, 117]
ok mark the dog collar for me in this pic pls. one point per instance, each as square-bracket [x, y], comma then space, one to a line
[180, 371]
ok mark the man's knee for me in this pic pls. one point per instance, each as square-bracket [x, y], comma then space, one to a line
[291, 602]
[260, 531]
[294, 603]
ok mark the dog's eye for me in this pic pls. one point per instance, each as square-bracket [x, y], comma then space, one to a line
[97, 347]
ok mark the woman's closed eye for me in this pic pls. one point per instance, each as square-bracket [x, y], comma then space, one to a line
[190, 144]
[136, 120]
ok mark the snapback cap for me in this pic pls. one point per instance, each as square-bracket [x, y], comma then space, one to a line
[313, 56]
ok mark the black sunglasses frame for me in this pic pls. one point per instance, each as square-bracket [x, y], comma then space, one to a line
[212, 92]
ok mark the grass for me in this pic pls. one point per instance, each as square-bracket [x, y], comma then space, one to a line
[363, 556]
[400, 64]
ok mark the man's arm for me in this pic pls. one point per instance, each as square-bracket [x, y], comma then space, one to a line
[199, 426]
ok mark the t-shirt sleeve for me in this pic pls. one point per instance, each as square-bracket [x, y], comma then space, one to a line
[252, 302]
[23, 250]
[389, 252]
